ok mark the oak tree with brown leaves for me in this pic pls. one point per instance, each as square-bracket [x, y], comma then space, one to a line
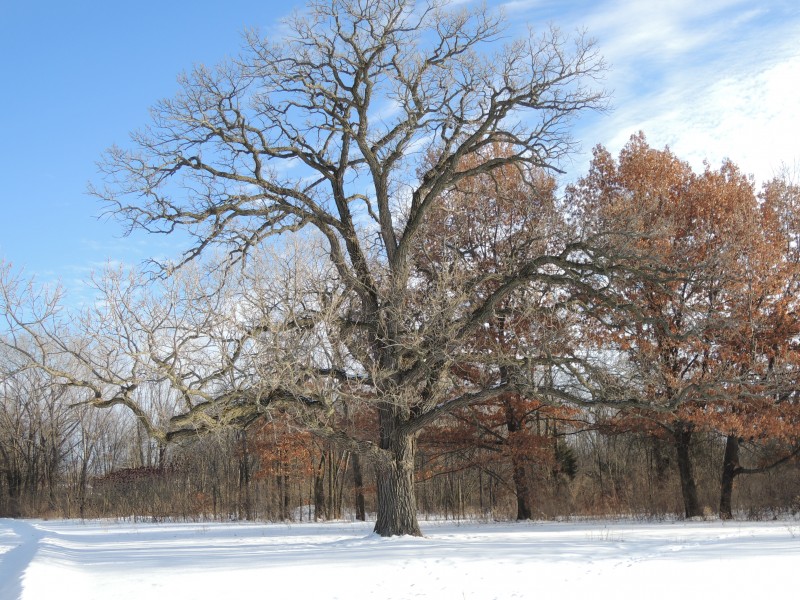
[713, 345]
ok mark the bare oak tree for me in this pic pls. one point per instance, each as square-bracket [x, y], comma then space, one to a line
[331, 128]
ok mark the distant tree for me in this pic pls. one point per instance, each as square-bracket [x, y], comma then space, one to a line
[36, 434]
[514, 431]
[495, 223]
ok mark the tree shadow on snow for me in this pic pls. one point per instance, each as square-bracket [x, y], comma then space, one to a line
[14, 562]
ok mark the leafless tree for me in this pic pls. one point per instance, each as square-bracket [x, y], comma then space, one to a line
[36, 431]
[331, 129]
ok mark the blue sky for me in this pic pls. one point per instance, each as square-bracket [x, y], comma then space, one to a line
[711, 78]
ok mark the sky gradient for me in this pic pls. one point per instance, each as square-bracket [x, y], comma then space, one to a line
[710, 78]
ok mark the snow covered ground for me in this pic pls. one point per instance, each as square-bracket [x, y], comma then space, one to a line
[108, 561]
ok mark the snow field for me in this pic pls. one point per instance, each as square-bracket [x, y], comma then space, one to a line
[106, 561]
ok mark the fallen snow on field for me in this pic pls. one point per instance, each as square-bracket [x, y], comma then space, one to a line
[109, 561]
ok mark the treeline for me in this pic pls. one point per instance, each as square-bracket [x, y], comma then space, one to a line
[59, 462]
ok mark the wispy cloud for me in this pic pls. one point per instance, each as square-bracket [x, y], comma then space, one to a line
[711, 79]
[634, 31]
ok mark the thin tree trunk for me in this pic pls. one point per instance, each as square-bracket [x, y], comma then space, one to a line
[285, 501]
[730, 467]
[341, 474]
[520, 475]
[521, 489]
[683, 437]
[358, 484]
[244, 476]
[319, 489]
[82, 487]
[330, 507]
[14, 481]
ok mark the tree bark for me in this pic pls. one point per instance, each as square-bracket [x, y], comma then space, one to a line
[83, 479]
[730, 468]
[521, 489]
[514, 426]
[319, 490]
[245, 504]
[358, 483]
[397, 505]
[683, 437]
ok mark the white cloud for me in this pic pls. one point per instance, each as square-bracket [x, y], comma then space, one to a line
[516, 6]
[660, 31]
[710, 79]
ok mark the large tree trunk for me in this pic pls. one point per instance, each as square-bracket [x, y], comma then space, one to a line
[730, 466]
[683, 437]
[397, 504]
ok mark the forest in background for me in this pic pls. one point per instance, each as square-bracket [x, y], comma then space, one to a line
[57, 463]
